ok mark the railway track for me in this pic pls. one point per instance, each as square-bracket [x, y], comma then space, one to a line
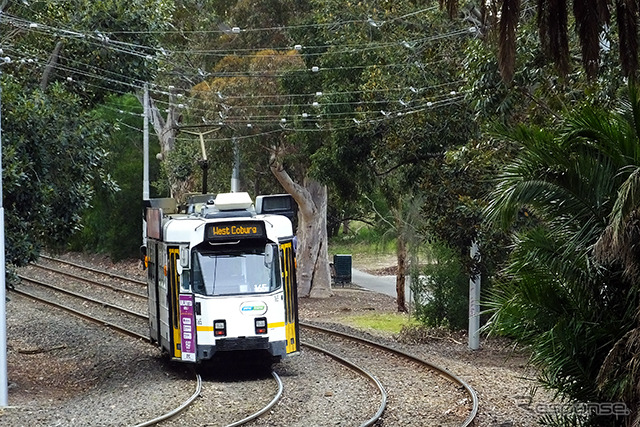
[123, 289]
[77, 296]
[364, 373]
[470, 401]
[97, 271]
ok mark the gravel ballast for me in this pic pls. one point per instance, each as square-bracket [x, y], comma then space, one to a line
[68, 372]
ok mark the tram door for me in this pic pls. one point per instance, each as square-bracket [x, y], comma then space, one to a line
[288, 266]
[152, 291]
[173, 299]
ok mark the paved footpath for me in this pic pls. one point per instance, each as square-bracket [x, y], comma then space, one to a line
[382, 284]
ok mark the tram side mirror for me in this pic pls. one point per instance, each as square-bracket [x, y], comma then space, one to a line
[269, 251]
[143, 257]
[184, 256]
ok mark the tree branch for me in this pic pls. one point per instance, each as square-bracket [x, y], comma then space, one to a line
[48, 69]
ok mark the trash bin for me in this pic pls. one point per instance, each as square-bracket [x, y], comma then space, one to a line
[342, 267]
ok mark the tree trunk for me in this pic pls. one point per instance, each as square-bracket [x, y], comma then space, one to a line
[166, 131]
[314, 276]
[401, 254]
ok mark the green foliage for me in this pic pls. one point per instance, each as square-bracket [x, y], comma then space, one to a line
[54, 154]
[440, 290]
[117, 38]
[113, 222]
[538, 91]
[570, 308]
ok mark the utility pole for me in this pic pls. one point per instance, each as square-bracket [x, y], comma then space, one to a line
[235, 174]
[474, 302]
[4, 382]
[145, 157]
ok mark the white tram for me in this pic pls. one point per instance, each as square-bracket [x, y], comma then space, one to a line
[221, 278]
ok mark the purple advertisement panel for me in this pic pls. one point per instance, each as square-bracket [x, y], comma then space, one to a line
[187, 328]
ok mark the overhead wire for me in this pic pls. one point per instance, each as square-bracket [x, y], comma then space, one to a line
[119, 79]
[129, 48]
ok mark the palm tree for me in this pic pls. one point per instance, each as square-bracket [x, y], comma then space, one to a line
[568, 290]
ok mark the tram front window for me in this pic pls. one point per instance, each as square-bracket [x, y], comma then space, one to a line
[246, 271]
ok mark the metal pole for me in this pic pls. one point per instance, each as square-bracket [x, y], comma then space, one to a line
[474, 304]
[145, 157]
[235, 174]
[204, 164]
[4, 383]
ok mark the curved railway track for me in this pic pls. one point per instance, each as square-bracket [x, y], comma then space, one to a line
[383, 393]
[49, 299]
[471, 394]
[142, 334]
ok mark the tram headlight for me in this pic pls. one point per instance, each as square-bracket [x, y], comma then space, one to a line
[261, 325]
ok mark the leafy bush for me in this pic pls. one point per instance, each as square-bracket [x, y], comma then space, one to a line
[113, 222]
[440, 290]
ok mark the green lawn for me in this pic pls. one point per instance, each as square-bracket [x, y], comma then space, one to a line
[390, 323]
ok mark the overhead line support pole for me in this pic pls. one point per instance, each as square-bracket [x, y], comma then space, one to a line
[4, 382]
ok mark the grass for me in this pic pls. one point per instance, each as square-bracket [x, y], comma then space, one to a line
[391, 323]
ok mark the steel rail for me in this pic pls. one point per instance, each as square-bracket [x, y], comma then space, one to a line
[442, 371]
[93, 282]
[125, 331]
[363, 372]
[82, 315]
[95, 270]
[86, 298]
[177, 410]
[128, 332]
[266, 408]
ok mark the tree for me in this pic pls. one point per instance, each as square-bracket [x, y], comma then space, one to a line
[592, 22]
[53, 152]
[84, 41]
[223, 96]
[576, 311]
[390, 104]
[113, 222]
[65, 57]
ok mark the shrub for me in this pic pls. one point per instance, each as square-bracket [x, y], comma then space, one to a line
[440, 290]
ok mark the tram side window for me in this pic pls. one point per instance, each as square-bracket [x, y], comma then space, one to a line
[198, 282]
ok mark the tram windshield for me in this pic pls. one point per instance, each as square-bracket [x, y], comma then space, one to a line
[243, 270]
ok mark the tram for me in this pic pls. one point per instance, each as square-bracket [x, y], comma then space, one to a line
[221, 277]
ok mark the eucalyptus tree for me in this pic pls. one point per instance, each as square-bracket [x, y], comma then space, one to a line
[64, 57]
[574, 307]
[388, 99]
[246, 97]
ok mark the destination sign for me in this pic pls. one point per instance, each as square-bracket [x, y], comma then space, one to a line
[234, 230]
